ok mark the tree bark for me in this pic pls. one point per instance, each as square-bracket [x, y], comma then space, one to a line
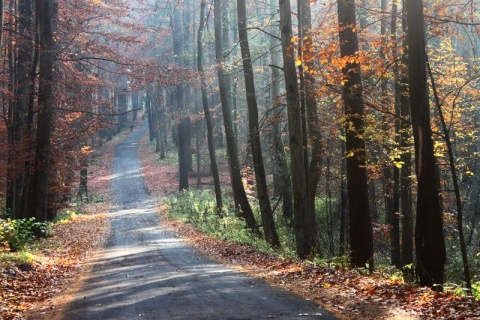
[314, 134]
[184, 151]
[305, 241]
[2, 18]
[18, 133]
[281, 175]
[429, 238]
[240, 197]
[254, 130]
[395, 250]
[206, 110]
[406, 158]
[361, 236]
[45, 13]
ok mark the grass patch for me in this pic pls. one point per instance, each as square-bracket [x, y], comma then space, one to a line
[17, 258]
[198, 207]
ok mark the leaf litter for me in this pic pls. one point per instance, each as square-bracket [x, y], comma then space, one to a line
[348, 294]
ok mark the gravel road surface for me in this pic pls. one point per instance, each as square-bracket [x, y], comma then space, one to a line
[146, 272]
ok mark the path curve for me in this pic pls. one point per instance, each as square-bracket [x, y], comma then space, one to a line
[144, 271]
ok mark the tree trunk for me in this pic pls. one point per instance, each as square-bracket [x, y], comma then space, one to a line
[395, 252]
[240, 197]
[361, 237]
[314, 134]
[18, 147]
[254, 130]
[281, 176]
[183, 137]
[206, 111]
[45, 13]
[155, 118]
[135, 105]
[406, 158]
[151, 121]
[305, 241]
[429, 239]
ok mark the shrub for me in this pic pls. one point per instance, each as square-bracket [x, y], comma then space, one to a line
[16, 233]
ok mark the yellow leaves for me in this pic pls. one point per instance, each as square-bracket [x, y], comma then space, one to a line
[469, 173]
[298, 62]
[439, 149]
[98, 2]
[398, 164]
[86, 150]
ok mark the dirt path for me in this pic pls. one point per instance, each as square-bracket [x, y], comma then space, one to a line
[145, 271]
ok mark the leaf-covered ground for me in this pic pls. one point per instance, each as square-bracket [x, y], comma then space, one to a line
[346, 293]
[56, 260]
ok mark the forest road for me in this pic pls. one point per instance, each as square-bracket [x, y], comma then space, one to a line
[145, 272]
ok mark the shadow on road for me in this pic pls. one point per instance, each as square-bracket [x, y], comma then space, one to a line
[145, 271]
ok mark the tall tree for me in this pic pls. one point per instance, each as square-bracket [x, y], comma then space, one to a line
[281, 175]
[406, 157]
[254, 130]
[184, 151]
[45, 11]
[429, 239]
[360, 224]
[305, 241]
[240, 197]
[206, 109]
[21, 106]
[393, 214]
[310, 100]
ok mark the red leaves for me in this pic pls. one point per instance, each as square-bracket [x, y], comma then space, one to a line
[57, 258]
[346, 293]
[26, 285]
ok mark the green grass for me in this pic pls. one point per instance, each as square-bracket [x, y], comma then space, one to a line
[198, 207]
[17, 258]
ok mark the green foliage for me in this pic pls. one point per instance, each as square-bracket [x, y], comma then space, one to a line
[65, 216]
[17, 233]
[17, 258]
[96, 198]
[335, 262]
[476, 289]
[408, 272]
[4, 212]
[199, 208]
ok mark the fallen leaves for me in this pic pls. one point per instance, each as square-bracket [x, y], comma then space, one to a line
[348, 294]
[57, 259]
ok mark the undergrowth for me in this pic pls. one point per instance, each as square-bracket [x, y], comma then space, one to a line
[198, 207]
[18, 235]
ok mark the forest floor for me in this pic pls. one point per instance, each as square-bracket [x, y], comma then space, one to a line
[38, 290]
[348, 294]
